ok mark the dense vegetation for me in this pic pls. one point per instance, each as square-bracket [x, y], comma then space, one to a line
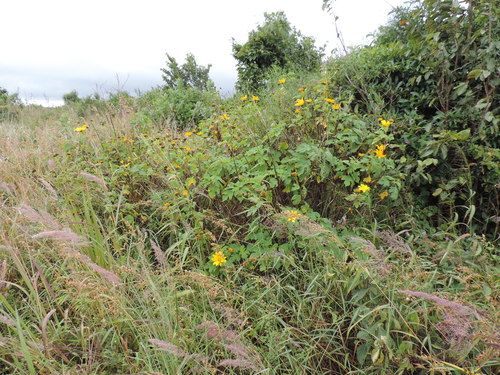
[336, 220]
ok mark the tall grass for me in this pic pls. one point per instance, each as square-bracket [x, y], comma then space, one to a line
[105, 268]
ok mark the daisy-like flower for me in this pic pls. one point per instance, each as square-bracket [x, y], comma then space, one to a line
[336, 106]
[188, 134]
[363, 188]
[281, 81]
[383, 194]
[224, 117]
[299, 103]
[218, 258]
[380, 151]
[309, 100]
[255, 98]
[386, 123]
[81, 128]
[185, 193]
[330, 100]
[244, 97]
[293, 215]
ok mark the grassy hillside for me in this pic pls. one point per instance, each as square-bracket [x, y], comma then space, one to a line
[275, 237]
[344, 221]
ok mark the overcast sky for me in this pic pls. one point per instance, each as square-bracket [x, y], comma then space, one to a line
[50, 47]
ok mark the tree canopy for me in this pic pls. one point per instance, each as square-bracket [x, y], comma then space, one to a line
[274, 44]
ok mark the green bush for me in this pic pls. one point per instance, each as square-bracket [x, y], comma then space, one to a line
[181, 107]
[189, 74]
[274, 44]
[433, 68]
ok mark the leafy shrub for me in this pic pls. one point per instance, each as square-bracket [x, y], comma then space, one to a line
[189, 74]
[183, 106]
[274, 44]
[433, 68]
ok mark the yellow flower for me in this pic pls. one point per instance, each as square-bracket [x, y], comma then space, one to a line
[367, 179]
[255, 98]
[385, 123]
[185, 193]
[167, 204]
[380, 151]
[293, 216]
[188, 134]
[281, 81]
[81, 128]
[336, 106]
[187, 148]
[330, 100]
[225, 117]
[361, 154]
[299, 102]
[297, 110]
[362, 188]
[244, 97]
[384, 194]
[301, 89]
[218, 258]
[309, 100]
[199, 133]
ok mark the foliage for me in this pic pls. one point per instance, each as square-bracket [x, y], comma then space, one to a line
[288, 232]
[274, 44]
[189, 74]
[434, 67]
[71, 97]
[182, 107]
[8, 104]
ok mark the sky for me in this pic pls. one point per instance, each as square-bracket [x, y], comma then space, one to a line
[51, 47]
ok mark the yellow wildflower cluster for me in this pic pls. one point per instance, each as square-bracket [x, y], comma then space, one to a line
[218, 258]
[293, 215]
[254, 98]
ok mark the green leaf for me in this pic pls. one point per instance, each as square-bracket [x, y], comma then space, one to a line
[474, 73]
[437, 192]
